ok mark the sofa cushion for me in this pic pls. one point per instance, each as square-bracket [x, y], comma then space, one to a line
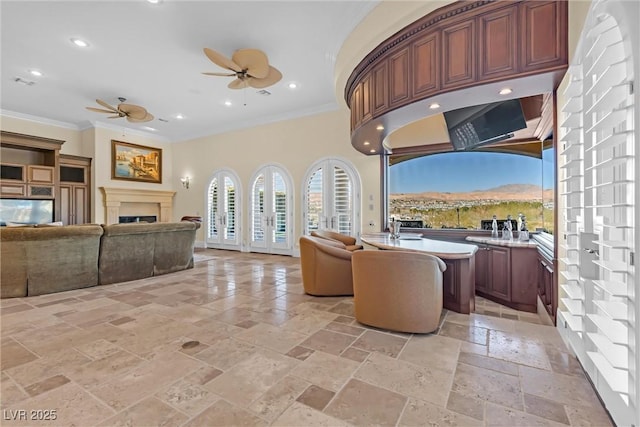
[56, 259]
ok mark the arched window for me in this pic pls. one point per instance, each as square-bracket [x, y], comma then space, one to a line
[271, 210]
[331, 197]
[223, 216]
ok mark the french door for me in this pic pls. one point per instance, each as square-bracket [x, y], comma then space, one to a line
[223, 216]
[332, 198]
[271, 211]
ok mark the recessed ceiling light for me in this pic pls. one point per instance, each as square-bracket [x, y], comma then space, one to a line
[366, 143]
[505, 91]
[35, 73]
[379, 127]
[79, 42]
[292, 85]
[179, 116]
[149, 128]
[372, 150]
[227, 103]
[154, 1]
[434, 106]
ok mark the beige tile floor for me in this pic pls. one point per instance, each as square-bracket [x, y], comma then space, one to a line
[270, 355]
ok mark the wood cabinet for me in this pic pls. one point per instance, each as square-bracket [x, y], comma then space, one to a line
[507, 275]
[75, 190]
[497, 44]
[543, 34]
[460, 45]
[458, 54]
[547, 291]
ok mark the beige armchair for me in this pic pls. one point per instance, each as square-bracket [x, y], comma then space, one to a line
[348, 241]
[398, 290]
[326, 267]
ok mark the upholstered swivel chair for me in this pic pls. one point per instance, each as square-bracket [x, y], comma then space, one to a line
[398, 290]
[326, 267]
[348, 241]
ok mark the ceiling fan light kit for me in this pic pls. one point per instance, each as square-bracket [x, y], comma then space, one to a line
[250, 67]
[133, 113]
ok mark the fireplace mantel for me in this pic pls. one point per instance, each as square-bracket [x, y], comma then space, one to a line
[114, 197]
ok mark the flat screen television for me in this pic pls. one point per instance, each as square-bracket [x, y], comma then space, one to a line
[472, 127]
[23, 211]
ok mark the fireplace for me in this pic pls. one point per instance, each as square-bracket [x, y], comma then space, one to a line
[138, 218]
[123, 202]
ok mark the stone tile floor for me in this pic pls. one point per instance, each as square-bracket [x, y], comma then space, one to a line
[270, 355]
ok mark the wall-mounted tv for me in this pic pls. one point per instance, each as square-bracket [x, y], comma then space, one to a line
[23, 211]
[475, 126]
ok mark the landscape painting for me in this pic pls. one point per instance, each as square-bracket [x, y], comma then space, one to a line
[136, 162]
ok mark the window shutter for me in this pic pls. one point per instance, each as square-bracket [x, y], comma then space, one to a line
[343, 201]
[212, 203]
[257, 209]
[230, 206]
[314, 198]
[280, 209]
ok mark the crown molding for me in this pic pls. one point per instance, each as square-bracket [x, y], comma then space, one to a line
[129, 131]
[291, 115]
[40, 120]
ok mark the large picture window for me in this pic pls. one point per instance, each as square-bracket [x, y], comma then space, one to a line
[465, 189]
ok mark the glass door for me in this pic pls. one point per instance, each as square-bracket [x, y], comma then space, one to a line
[223, 217]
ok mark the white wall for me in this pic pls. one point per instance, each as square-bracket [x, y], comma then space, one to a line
[294, 144]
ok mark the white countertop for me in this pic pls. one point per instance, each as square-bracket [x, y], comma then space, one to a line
[499, 242]
[411, 242]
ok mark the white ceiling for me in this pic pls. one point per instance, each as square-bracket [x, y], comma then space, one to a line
[152, 55]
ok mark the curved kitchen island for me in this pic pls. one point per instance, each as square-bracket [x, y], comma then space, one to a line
[458, 281]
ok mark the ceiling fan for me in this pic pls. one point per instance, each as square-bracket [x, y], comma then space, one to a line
[133, 113]
[249, 66]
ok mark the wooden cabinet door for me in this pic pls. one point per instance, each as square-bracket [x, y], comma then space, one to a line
[542, 39]
[356, 107]
[500, 272]
[426, 65]
[399, 77]
[498, 41]
[66, 207]
[380, 89]
[458, 54]
[80, 204]
[524, 276]
[482, 268]
[366, 99]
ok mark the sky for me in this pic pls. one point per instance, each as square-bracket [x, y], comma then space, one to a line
[467, 171]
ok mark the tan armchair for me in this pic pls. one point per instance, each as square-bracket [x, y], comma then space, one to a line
[326, 267]
[398, 290]
[348, 241]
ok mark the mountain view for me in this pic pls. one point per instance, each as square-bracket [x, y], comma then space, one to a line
[467, 209]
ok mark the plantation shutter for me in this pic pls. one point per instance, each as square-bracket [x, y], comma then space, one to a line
[599, 298]
[314, 197]
[279, 219]
[343, 202]
[257, 209]
[230, 208]
[212, 207]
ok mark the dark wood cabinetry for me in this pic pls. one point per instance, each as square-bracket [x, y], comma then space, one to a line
[75, 190]
[497, 44]
[546, 287]
[460, 45]
[458, 54]
[399, 78]
[543, 36]
[507, 275]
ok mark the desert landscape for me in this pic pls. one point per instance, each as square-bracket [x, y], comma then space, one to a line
[467, 209]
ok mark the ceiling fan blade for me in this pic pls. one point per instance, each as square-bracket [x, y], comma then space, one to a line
[99, 110]
[273, 77]
[146, 118]
[220, 74]
[221, 60]
[115, 117]
[105, 105]
[134, 111]
[253, 60]
[238, 84]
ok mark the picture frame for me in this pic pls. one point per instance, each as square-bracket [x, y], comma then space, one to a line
[133, 162]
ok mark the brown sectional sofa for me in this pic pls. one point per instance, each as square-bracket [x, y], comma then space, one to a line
[41, 260]
[151, 250]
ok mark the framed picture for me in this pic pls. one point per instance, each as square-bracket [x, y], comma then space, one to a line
[134, 162]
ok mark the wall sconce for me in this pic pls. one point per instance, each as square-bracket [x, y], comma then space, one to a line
[185, 182]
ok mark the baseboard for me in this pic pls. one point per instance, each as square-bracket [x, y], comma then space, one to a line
[200, 244]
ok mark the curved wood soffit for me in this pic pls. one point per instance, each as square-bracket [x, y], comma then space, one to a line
[462, 45]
